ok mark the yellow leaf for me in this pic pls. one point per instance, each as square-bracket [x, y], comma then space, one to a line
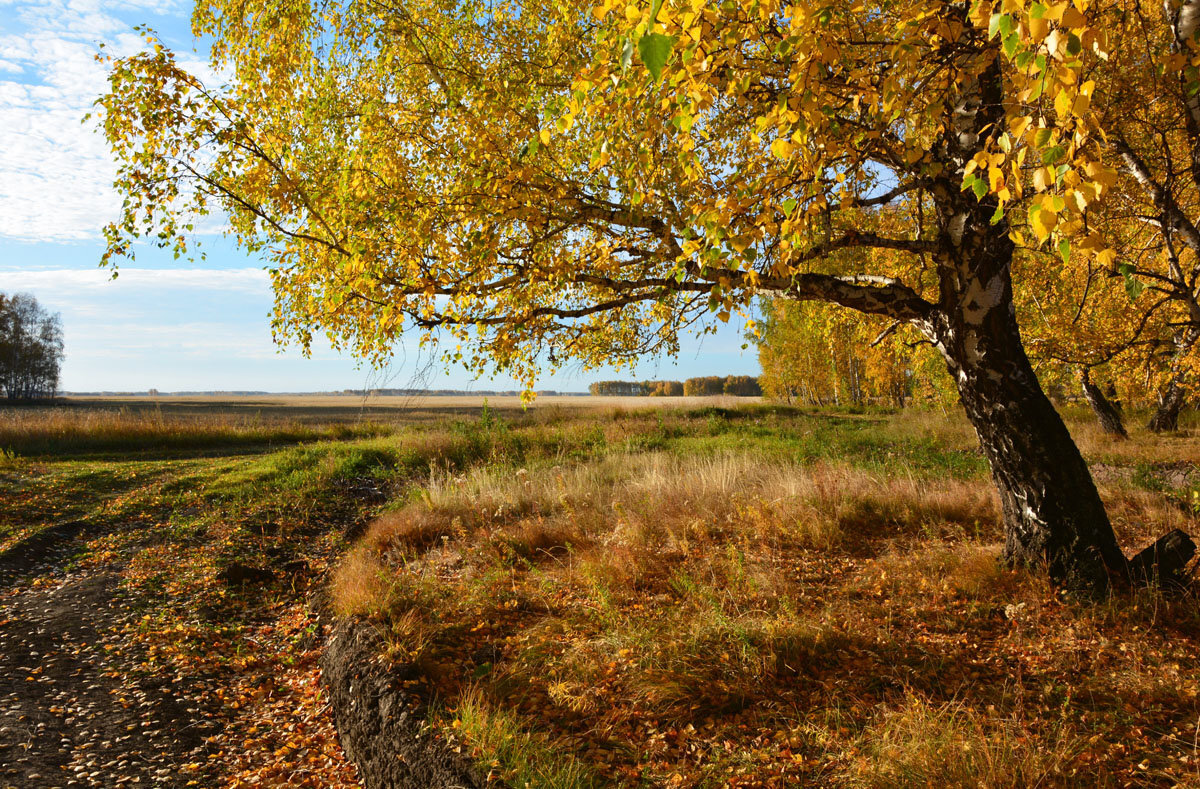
[1062, 104]
[1042, 221]
[1042, 177]
[995, 179]
[1072, 18]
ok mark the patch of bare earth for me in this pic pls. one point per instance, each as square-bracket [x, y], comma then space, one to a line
[77, 707]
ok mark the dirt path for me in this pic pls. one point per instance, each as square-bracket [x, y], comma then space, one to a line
[76, 706]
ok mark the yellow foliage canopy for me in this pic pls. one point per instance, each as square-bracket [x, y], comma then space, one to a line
[544, 181]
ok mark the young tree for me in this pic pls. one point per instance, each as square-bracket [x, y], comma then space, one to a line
[511, 175]
[819, 353]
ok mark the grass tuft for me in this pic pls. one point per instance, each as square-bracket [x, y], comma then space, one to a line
[516, 755]
[923, 743]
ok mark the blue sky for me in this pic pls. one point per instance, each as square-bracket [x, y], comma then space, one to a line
[166, 324]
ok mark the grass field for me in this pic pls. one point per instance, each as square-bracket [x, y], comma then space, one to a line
[644, 593]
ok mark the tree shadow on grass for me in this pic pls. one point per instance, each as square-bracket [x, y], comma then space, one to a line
[44, 550]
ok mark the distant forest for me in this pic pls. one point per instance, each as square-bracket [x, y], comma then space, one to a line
[737, 385]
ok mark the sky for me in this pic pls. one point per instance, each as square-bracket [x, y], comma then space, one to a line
[166, 324]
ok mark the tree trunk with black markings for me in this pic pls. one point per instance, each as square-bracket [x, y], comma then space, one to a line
[1106, 413]
[1053, 515]
[1170, 402]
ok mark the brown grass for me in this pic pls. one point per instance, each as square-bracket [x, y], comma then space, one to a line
[659, 502]
[65, 431]
[720, 617]
[642, 596]
[924, 743]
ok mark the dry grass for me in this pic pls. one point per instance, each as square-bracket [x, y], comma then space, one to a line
[1142, 447]
[538, 762]
[714, 597]
[967, 570]
[924, 743]
[718, 617]
[660, 502]
[75, 431]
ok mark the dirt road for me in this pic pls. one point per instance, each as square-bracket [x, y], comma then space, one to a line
[77, 708]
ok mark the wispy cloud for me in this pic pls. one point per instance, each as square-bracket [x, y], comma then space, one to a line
[198, 340]
[66, 283]
[55, 171]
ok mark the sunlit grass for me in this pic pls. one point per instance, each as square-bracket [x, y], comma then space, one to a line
[661, 596]
[951, 744]
[82, 431]
[745, 571]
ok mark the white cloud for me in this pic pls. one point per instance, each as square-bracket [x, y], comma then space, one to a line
[55, 171]
[198, 340]
[60, 284]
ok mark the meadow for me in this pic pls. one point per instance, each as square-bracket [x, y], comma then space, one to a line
[633, 593]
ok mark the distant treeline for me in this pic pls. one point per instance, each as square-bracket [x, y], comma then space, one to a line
[738, 385]
[450, 392]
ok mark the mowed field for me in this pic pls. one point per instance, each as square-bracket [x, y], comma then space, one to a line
[590, 592]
